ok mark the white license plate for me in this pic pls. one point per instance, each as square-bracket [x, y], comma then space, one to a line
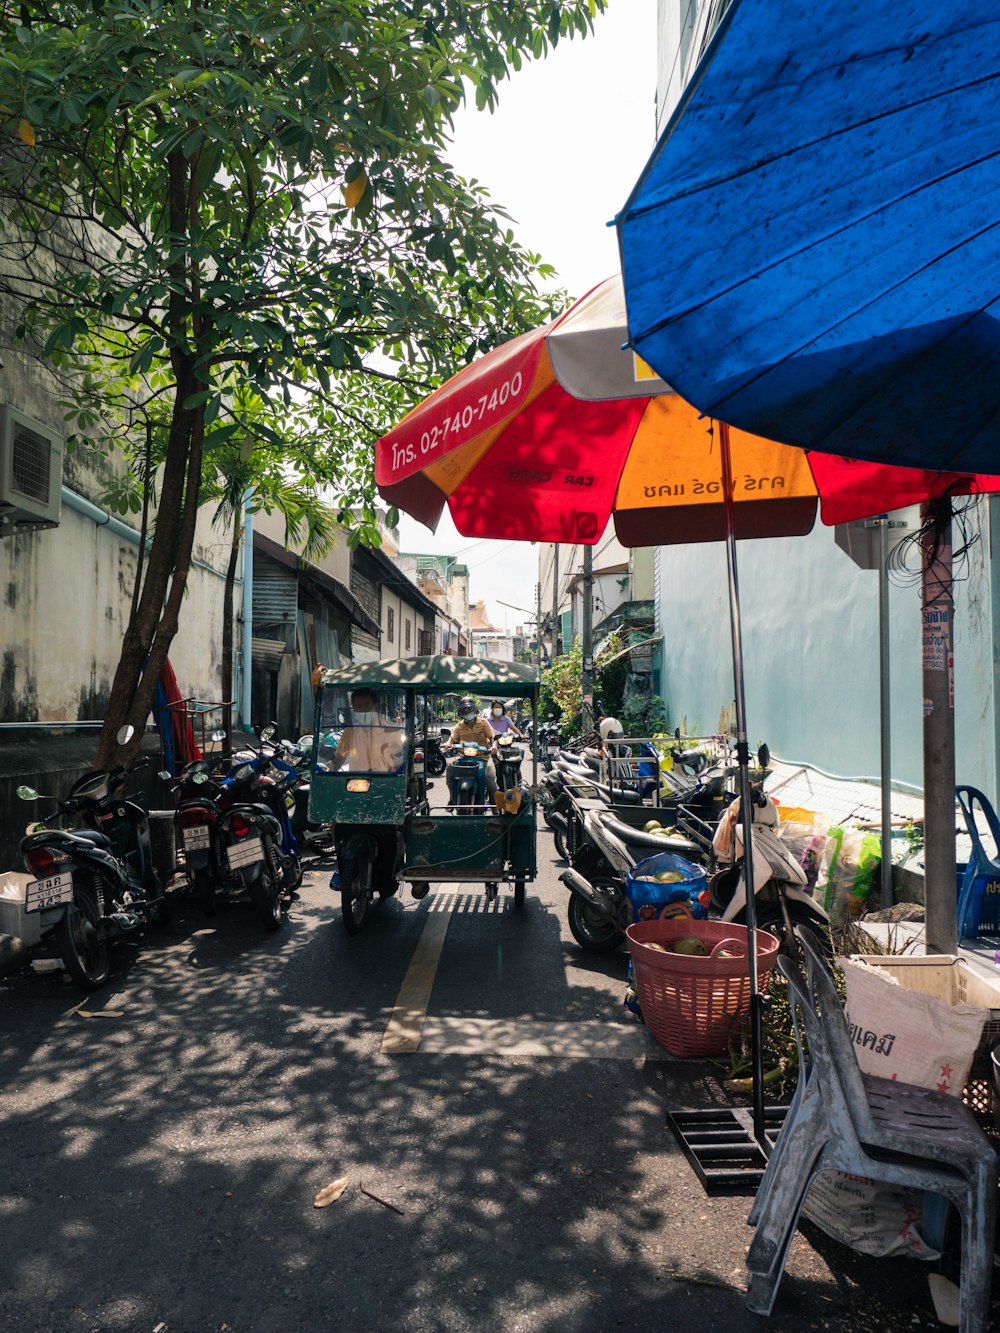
[42, 893]
[196, 838]
[245, 853]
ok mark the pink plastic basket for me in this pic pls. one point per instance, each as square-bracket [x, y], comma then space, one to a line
[691, 1003]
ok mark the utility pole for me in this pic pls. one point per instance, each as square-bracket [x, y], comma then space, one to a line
[555, 600]
[538, 623]
[938, 648]
[587, 675]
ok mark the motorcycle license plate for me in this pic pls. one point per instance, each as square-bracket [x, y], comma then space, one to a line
[42, 893]
[244, 853]
[196, 838]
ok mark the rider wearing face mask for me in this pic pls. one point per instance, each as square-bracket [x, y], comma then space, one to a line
[500, 722]
[472, 728]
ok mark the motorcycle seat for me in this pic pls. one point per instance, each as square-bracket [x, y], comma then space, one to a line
[94, 836]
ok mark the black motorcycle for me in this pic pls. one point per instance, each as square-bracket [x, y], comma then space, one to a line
[100, 875]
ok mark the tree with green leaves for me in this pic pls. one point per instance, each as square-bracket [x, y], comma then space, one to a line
[201, 201]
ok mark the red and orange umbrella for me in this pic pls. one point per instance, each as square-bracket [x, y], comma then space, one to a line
[549, 435]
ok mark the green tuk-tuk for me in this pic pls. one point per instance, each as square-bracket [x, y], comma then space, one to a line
[374, 722]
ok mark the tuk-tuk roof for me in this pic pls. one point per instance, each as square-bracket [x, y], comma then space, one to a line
[442, 675]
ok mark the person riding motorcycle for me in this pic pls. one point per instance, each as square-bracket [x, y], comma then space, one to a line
[501, 721]
[471, 728]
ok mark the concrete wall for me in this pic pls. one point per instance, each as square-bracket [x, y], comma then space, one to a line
[65, 599]
[810, 641]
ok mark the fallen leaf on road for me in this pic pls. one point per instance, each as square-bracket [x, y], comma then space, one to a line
[100, 1013]
[330, 1194]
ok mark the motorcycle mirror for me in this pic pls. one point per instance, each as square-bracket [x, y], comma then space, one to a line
[218, 735]
[125, 734]
[763, 756]
[677, 733]
[199, 778]
[269, 732]
[34, 828]
[163, 775]
[27, 794]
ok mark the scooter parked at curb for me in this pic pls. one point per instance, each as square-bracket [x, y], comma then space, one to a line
[780, 881]
[255, 828]
[598, 910]
[96, 883]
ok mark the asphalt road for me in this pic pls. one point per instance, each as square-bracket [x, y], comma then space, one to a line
[163, 1147]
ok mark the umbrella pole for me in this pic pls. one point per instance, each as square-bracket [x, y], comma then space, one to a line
[746, 805]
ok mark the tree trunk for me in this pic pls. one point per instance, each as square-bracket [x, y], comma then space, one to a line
[227, 627]
[152, 628]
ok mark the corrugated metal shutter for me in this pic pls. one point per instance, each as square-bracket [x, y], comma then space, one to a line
[275, 595]
[267, 653]
[367, 593]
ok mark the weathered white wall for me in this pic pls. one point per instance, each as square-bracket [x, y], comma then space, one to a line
[65, 593]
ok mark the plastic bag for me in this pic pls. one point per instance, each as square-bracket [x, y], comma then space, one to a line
[850, 864]
[807, 843]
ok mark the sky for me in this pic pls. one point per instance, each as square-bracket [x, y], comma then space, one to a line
[561, 153]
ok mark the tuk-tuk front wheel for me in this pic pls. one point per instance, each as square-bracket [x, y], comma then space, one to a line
[356, 889]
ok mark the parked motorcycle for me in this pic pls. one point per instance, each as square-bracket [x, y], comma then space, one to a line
[780, 881]
[236, 827]
[434, 760]
[259, 846]
[598, 909]
[196, 818]
[95, 883]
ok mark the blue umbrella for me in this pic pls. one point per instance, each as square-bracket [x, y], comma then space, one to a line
[813, 251]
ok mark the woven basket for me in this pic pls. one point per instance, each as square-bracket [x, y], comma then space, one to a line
[692, 1003]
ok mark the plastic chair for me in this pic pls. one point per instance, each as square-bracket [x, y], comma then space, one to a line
[981, 866]
[843, 1120]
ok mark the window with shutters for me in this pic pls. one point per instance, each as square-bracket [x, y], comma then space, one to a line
[390, 624]
[407, 626]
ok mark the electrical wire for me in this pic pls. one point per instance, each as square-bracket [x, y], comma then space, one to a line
[918, 551]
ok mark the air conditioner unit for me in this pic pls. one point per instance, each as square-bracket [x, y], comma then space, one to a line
[31, 458]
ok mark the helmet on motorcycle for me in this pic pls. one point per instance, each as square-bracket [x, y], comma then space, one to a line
[466, 709]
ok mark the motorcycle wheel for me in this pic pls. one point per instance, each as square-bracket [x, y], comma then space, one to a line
[159, 912]
[292, 873]
[355, 892]
[562, 846]
[266, 892]
[590, 928]
[771, 919]
[204, 889]
[519, 893]
[85, 953]
[435, 763]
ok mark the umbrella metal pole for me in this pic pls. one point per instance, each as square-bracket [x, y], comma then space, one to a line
[885, 863]
[555, 600]
[746, 805]
[587, 674]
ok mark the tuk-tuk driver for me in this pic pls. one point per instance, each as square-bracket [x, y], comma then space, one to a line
[368, 744]
[470, 727]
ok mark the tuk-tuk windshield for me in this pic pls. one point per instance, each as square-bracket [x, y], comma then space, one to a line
[362, 730]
